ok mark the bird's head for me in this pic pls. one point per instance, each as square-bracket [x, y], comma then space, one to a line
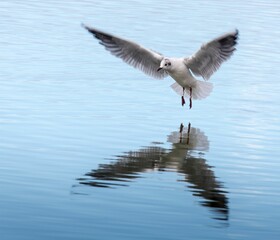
[165, 64]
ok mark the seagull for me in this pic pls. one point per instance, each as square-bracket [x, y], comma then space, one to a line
[202, 63]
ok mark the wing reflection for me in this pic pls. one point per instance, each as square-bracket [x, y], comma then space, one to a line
[185, 157]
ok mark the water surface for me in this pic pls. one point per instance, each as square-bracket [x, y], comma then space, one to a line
[94, 149]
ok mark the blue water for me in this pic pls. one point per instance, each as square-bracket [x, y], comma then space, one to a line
[94, 149]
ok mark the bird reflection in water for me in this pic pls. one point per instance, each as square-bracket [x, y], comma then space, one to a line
[185, 157]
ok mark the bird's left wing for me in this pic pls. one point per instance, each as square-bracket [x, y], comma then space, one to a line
[130, 52]
[211, 55]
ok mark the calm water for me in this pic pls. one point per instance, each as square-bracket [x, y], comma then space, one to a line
[94, 149]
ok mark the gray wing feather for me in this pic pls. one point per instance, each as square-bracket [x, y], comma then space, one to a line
[130, 52]
[211, 55]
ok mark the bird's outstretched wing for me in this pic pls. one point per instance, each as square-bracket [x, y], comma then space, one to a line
[211, 55]
[130, 52]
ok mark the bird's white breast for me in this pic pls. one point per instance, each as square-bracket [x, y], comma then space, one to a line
[180, 73]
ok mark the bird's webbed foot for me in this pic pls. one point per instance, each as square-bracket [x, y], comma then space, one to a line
[183, 99]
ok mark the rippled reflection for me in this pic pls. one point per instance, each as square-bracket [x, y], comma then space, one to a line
[185, 157]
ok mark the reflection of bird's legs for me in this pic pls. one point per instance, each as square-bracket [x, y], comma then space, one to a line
[183, 99]
[181, 132]
[190, 97]
[189, 130]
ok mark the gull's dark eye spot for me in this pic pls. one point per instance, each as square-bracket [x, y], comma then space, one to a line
[165, 64]
[169, 64]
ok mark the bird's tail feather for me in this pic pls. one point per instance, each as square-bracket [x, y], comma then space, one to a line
[200, 90]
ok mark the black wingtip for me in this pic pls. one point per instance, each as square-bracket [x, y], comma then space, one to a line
[98, 33]
[235, 35]
[236, 32]
[89, 29]
[85, 26]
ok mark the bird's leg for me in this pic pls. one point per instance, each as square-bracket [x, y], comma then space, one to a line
[183, 99]
[190, 97]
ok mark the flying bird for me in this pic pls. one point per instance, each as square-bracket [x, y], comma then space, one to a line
[202, 63]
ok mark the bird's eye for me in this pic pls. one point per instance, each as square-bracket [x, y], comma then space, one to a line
[165, 64]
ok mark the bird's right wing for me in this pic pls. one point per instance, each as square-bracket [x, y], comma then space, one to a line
[130, 52]
[211, 55]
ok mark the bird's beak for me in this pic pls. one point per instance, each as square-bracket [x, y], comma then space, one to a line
[159, 68]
